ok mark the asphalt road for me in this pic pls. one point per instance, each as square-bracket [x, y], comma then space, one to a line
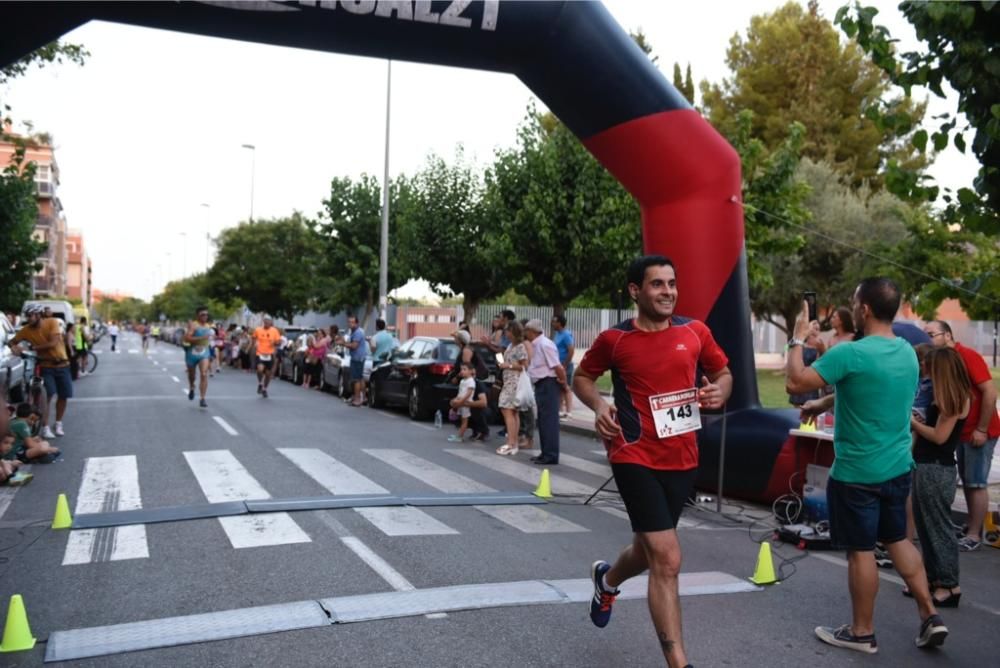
[134, 440]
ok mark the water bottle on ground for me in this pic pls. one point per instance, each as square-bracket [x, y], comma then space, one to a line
[437, 420]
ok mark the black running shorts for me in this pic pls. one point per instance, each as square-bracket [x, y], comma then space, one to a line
[653, 498]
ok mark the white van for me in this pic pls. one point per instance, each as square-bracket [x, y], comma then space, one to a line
[60, 309]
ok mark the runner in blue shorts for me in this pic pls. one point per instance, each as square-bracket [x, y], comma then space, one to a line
[198, 352]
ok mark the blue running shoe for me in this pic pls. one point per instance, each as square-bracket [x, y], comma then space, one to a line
[600, 605]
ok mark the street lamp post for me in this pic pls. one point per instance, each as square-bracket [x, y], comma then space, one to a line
[253, 170]
[208, 234]
[383, 269]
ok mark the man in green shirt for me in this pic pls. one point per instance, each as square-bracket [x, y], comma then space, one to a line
[875, 380]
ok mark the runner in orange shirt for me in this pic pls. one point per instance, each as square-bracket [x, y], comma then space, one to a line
[265, 338]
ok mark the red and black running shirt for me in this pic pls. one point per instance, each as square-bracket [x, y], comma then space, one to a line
[644, 364]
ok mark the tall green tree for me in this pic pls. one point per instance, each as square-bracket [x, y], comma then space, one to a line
[959, 47]
[349, 229]
[447, 234]
[792, 68]
[684, 84]
[564, 223]
[180, 298]
[19, 250]
[270, 265]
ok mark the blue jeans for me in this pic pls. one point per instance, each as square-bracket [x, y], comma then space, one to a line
[547, 395]
[862, 514]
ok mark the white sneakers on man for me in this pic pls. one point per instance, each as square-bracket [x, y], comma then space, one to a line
[59, 429]
[47, 433]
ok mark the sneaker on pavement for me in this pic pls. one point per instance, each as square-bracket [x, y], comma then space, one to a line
[203, 403]
[264, 394]
[260, 388]
[47, 432]
[455, 438]
[932, 632]
[600, 605]
[967, 544]
[842, 637]
[191, 394]
[59, 429]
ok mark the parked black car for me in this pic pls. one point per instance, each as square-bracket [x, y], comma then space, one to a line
[445, 392]
[416, 374]
[409, 377]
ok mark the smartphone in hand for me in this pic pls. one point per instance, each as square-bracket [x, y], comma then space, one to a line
[810, 299]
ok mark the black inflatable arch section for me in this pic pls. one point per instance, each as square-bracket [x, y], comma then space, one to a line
[587, 70]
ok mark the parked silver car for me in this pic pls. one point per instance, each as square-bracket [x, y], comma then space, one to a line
[336, 373]
[12, 380]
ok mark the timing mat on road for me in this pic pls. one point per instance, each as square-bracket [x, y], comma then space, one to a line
[229, 508]
[226, 624]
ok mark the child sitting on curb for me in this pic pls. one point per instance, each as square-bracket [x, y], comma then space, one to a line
[29, 448]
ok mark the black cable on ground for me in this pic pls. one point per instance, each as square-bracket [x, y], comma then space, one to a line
[10, 560]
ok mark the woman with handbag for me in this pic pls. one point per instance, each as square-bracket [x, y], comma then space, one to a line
[514, 365]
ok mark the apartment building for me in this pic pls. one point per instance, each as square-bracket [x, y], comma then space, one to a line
[51, 279]
[79, 269]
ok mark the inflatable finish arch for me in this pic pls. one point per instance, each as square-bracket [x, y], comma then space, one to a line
[589, 73]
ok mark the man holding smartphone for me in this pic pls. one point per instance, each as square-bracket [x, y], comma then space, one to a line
[875, 379]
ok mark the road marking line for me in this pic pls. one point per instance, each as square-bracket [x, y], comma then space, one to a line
[527, 519]
[109, 483]
[175, 379]
[529, 473]
[405, 521]
[377, 564]
[429, 473]
[225, 425]
[222, 478]
[332, 475]
[532, 519]
[337, 478]
[600, 469]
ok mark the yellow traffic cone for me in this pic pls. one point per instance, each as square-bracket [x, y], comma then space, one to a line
[544, 489]
[764, 573]
[16, 632]
[62, 519]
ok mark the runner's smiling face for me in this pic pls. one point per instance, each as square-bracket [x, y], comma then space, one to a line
[657, 296]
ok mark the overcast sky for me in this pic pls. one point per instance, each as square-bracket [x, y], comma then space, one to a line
[151, 128]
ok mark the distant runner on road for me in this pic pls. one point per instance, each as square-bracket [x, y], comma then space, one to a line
[265, 338]
[198, 353]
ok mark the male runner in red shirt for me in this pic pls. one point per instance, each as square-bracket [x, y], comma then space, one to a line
[649, 433]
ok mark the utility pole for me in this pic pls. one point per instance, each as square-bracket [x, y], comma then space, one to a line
[383, 268]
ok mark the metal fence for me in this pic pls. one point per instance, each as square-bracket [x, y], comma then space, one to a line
[585, 323]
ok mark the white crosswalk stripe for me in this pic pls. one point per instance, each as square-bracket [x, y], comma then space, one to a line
[109, 484]
[223, 478]
[527, 519]
[338, 478]
[528, 473]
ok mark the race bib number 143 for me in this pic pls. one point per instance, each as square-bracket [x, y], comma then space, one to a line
[675, 413]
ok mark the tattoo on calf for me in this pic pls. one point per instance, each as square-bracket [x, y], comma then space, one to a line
[666, 643]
